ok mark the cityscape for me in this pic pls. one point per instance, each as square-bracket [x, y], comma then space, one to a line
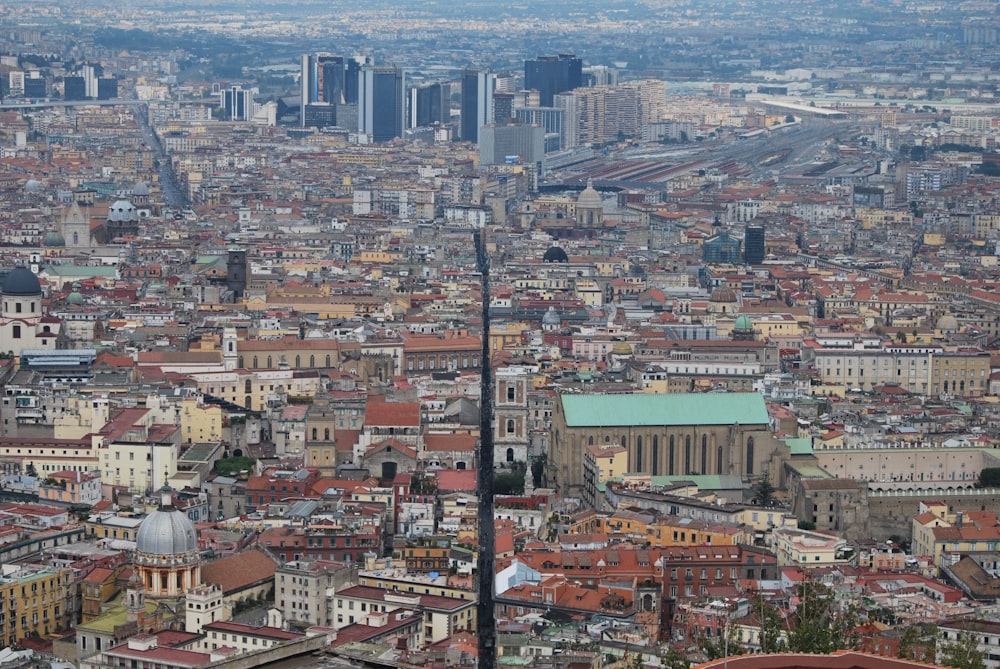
[645, 334]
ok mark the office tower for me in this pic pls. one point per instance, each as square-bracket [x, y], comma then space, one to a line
[550, 118]
[503, 108]
[89, 74]
[107, 88]
[477, 101]
[237, 103]
[34, 86]
[74, 88]
[515, 144]
[753, 244]
[381, 102]
[550, 75]
[430, 104]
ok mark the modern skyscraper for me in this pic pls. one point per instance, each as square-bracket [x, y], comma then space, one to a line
[550, 75]
[516, 144]
[477, 101]
[237, 103]
[327, 82]
[430, 104]
[74, 88]
[381, 102]
[753, 245]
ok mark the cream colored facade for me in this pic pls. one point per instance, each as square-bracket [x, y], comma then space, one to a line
[139, 466]
[805, 549]
[257, 386]
[922, 370]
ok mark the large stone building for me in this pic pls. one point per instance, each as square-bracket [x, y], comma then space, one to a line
[675, 434]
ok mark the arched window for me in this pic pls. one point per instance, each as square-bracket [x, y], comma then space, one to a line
[312, 361]
[255, 362]
[624, 442]
[718, 460]
[670, 455]
[298, 361]
[638, 454]
[247, 385]
[269, 362]
[327, 359]
[510, 455]
[315, 432]
[326, 434]
[687, 454]
[704, 454]
[510, 426]
[655, 468]
[749, 455]
[590, 440]
[240, 362]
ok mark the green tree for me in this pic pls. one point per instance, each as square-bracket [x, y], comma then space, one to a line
[824, 624]
[961, 653]
[989, 478]
[538, 470]
[770, 626]
[230, 466]
[720, 646]
[763, 490]
[672, 658]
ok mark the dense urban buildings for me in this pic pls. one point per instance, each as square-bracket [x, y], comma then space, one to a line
[693, 329]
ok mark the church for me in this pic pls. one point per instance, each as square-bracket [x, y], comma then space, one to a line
[24, 325]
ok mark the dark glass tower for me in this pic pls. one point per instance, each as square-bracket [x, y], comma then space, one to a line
[753, 244]
[477, 102]
[381, 102]
[550, 75]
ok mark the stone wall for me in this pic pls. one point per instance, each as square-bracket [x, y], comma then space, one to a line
[892, 513]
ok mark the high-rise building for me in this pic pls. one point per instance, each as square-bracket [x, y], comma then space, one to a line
[381, 102]
[237, 103]
[327, 81]
[107, 88]
[74, 88]
[477, 101]
[503, 108]
[753, 245]
[550, 75]
[516, 144]
[89, 74]
[430, 104]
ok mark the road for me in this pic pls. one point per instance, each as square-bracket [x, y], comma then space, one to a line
[173, 194]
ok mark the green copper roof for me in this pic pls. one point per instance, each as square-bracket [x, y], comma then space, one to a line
[599, 410]
[800, 446]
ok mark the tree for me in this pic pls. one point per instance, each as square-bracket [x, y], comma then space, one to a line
[770, 626]
[538, 470]
[674, 659]
[962, 653]
[989, 478]
[230, 466]
[763, 491]
[824, 624]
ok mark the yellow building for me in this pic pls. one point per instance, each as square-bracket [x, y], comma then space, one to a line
[506, 335]
[645, 526]
[200, 423]
[936, 531]
[37, 602]
[600, 465]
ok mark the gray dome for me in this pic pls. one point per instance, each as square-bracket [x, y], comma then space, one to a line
[122, 210]
[589, 198]
[140, 188]
[550, 317]
[34, 186]
[21, 281]
[166, 532]
[54, 238]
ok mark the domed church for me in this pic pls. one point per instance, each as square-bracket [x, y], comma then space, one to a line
[166, 551]
[23, 323]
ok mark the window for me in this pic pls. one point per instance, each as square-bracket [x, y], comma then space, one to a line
[749, 455]
[17, 331]
[510, 393]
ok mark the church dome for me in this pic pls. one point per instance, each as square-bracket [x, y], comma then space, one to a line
[723, 294]
[34, 186]
[555, 254]
[743, 324]
[140, 188]
[21, 281]
[74, 298]
[54, 238]
[122, 210]
[550, 317]
[166, 531]
[621, 348]
[589, 198]
[947, 323]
